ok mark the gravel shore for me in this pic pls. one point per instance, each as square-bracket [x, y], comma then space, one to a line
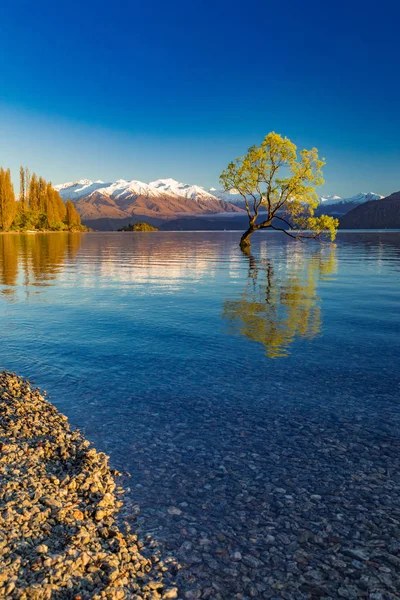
[59, 534]
[284, 505]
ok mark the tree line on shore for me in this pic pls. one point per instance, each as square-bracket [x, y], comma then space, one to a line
[38, 206]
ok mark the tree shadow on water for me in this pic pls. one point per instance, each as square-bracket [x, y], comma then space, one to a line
[279, 302]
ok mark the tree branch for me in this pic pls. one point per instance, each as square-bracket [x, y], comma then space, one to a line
[295, 237]
[284, 220]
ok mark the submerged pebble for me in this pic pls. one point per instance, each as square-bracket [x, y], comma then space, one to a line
[59, 534]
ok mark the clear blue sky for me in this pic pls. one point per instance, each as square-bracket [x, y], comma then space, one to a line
[131, 89]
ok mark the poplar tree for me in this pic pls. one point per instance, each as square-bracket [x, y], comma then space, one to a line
[42, 196]
[22, 190]
[7, 200]
[27, 185]
[56, 211]
[34, 195]
[72, 218]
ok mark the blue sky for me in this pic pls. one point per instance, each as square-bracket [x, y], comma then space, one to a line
[131, 89]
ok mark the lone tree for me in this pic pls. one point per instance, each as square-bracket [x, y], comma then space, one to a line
[274, 178]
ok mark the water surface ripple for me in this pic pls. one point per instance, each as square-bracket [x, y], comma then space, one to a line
[253, 399]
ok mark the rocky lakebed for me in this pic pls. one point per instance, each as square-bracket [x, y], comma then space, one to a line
[285, 507]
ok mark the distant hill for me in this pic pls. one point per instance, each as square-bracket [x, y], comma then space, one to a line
[110, 224]
[376, 214]
[218, 223]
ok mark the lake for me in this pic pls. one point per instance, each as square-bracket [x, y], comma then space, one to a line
[253, 399]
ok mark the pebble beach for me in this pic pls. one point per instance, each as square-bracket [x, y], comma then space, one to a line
[60, 536]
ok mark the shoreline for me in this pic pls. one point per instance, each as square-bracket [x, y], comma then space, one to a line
[36, 231]
[59, 530]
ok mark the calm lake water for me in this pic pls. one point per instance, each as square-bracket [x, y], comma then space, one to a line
[216, 380]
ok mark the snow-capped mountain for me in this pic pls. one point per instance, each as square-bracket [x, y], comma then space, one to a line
[384, 214]
[166, 198]
[234, 197]
[162, 198]
[170, 187]
[336, 206]
[74, 190]
[357, 199]
[330, 199]
[231, 195]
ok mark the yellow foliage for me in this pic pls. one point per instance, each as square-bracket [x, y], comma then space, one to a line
[8, 207]
[282, 181]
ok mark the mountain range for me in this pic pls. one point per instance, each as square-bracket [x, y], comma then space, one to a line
[335, 206]
[163, 198]
[166, 199]
[384, 214]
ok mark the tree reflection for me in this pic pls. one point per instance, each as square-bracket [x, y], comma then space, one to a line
[38, 258]
[280, 302]
[8, 265]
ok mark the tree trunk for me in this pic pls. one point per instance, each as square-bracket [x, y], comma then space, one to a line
[245, 239]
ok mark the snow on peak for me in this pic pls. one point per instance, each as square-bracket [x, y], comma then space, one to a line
[330, 199]
[169, 182]
[122, 188]
[231, 196]
[364, 197]
[74, 190]
[357, 199]
[171, 187]
[70, 184]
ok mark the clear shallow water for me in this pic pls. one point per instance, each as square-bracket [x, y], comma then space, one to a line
[216, 379]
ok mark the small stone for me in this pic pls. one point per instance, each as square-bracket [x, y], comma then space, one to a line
[348, 591]
[316, 497]
[358, 553]
[385, 570]
[10, 588]
[170, 593]
[252, 561]
[174, 510]
[42, 549]
[155, 585]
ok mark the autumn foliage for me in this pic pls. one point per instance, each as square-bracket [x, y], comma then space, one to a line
[39, 206]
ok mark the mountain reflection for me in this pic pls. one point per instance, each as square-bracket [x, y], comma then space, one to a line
[34, 259]
[280, 302]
